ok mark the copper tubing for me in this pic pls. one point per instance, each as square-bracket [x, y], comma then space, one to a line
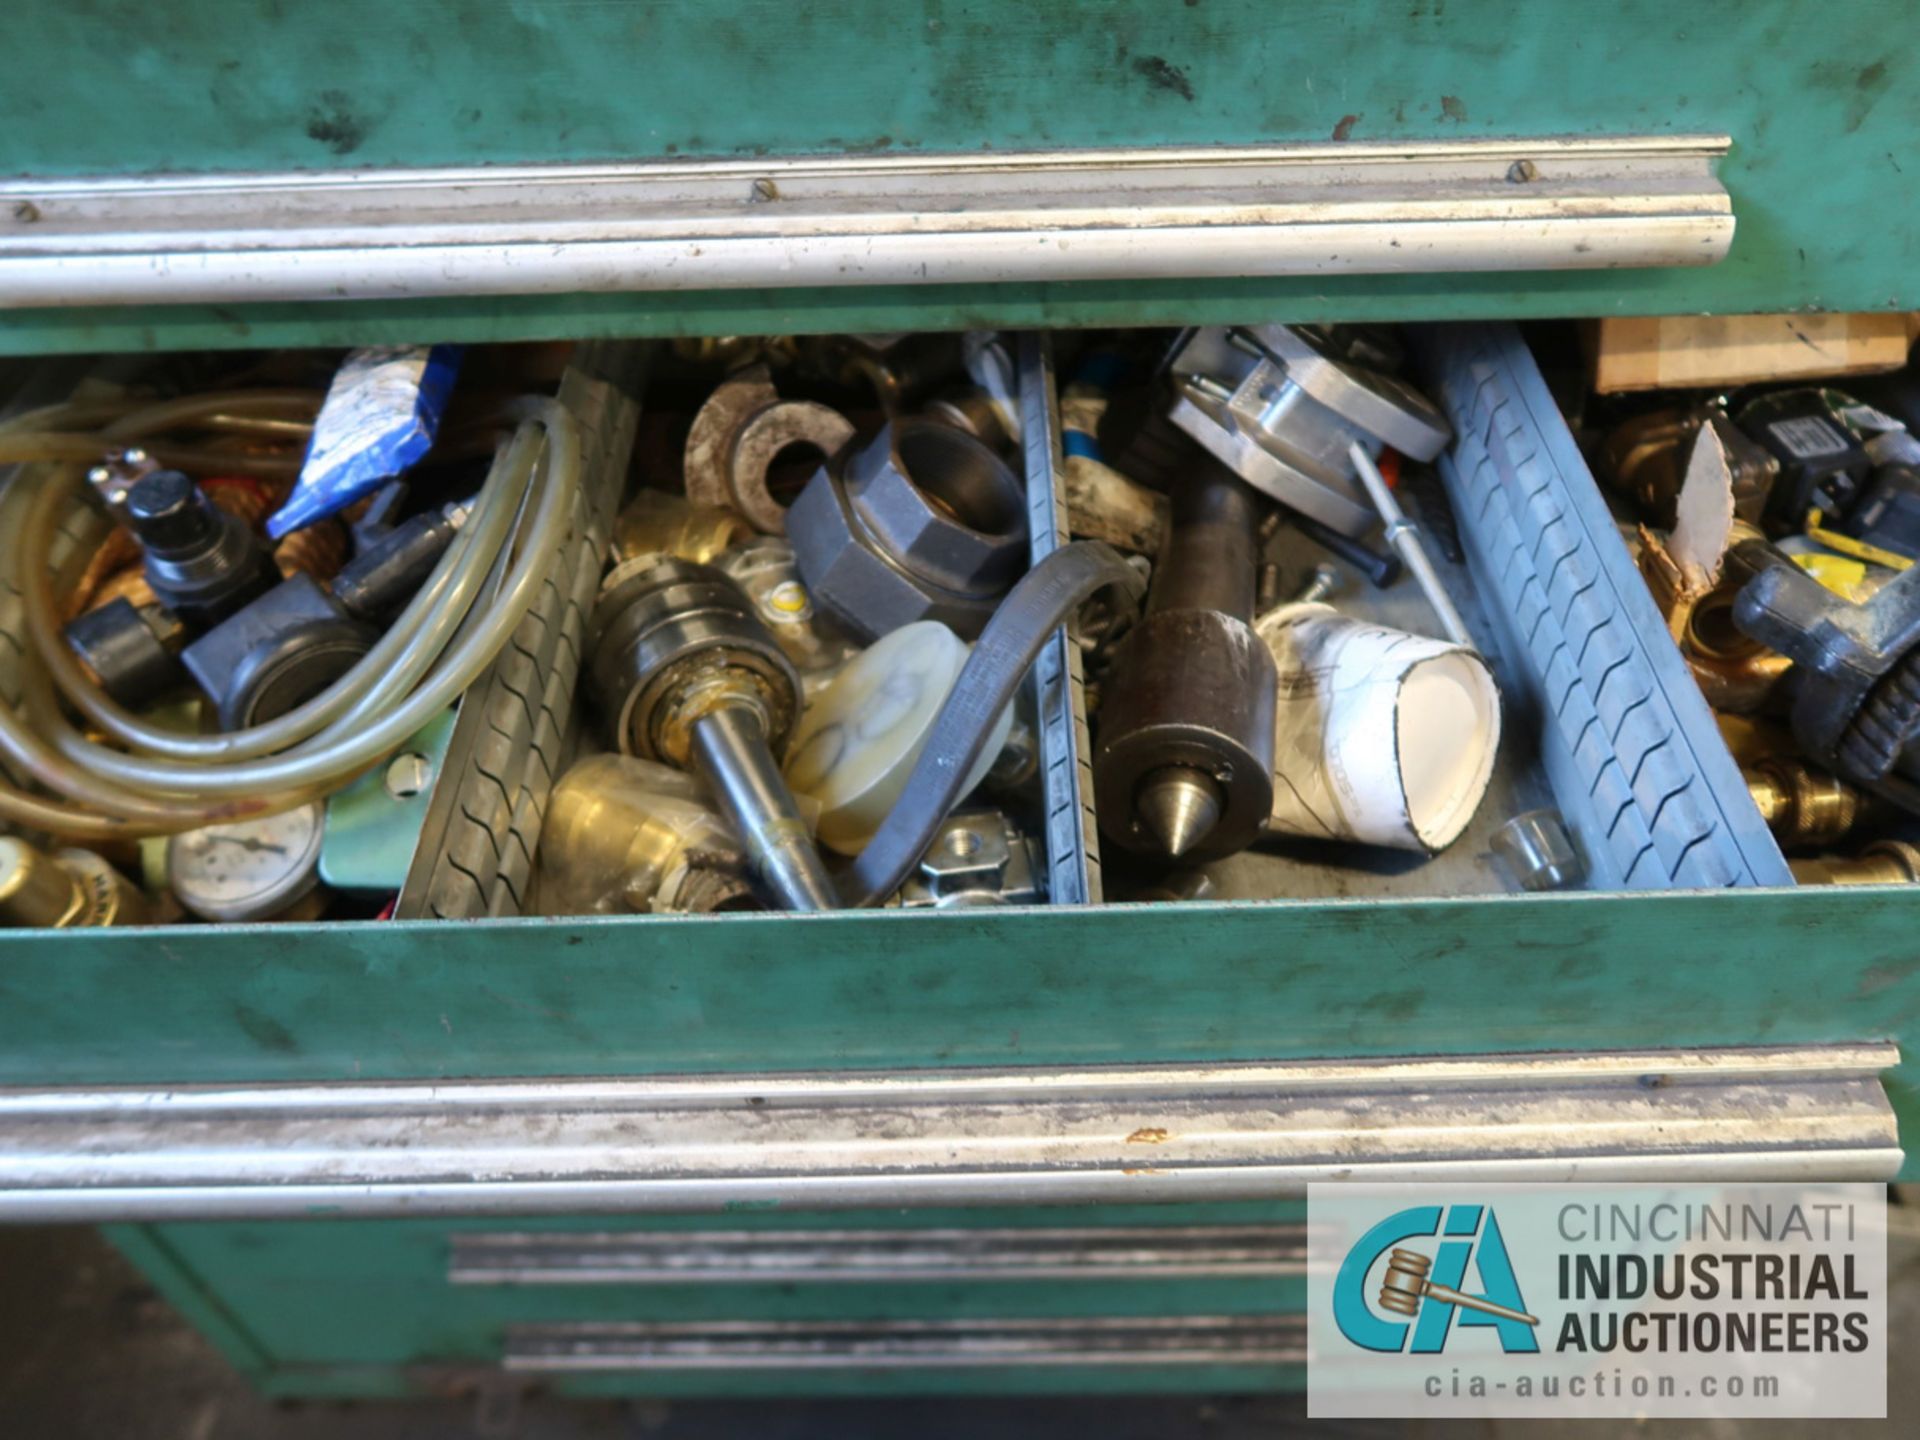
[128, 583]
[317, 550]
[116, 571]
[105, 577]
[241, 495]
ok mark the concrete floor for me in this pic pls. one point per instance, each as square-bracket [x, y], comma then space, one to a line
[87, 1349]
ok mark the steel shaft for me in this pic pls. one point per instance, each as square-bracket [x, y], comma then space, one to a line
[730, 752]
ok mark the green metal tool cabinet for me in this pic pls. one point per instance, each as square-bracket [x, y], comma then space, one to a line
[245, 174]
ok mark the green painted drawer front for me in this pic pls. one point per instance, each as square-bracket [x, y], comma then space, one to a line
[1821, 102]
[1113, 984]
[349, 1307]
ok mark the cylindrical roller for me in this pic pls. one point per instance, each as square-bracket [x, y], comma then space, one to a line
[1184, 761]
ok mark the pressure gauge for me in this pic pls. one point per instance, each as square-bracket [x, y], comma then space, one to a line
[248, 870]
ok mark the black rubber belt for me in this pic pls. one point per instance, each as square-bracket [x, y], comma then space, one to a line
[1045, 597]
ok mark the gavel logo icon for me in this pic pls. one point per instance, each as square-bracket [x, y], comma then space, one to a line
[1406, 1282]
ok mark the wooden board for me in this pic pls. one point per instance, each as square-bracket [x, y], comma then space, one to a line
[1712, 351]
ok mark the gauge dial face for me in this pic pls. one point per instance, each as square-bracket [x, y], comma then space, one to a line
[247, 870]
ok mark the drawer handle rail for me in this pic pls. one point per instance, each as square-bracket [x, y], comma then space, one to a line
[891, 1344]
[707, 1257]
[1142, 214]
[1096, 1134]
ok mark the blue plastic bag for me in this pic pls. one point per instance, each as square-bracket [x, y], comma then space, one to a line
[380, 416]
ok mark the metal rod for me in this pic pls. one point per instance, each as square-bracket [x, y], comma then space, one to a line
[1107, 1341]
[1404, 536]
[1146, 214]
[1380, 570]
[730, 751]
[1244, 1130]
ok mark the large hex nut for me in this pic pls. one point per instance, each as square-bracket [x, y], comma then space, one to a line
[921, 523]
[867, 593]
[942, 504]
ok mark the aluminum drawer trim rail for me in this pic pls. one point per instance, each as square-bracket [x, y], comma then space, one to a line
[1107, 1134]
[1140, 214]
[888, 1344]
[993, 1252]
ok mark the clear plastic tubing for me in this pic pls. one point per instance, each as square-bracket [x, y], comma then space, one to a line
[454, 601]
[453, 583]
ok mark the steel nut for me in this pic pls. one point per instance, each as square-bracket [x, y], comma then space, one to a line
[969, 853]
[942, 504]
[849, 578]
[979, 857]
[863, 592]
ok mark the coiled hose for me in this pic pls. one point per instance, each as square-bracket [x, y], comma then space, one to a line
[165, 781]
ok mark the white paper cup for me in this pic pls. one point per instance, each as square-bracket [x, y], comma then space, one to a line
[1380, 736]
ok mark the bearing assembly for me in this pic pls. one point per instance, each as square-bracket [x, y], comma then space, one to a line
[690, 677]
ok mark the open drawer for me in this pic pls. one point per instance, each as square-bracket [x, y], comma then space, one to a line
[1253, 1041]
[1689, 1015]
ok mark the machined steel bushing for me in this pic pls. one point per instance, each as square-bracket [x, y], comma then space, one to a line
[924, 522]
[670, 641]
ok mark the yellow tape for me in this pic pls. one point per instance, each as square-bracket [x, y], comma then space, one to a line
[1859, 549]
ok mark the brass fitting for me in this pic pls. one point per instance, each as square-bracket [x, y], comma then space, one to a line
[65, 889]
[1801, 805]
[1735, 672]
[1646, 460]
[659, 523]
[1885, 862]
